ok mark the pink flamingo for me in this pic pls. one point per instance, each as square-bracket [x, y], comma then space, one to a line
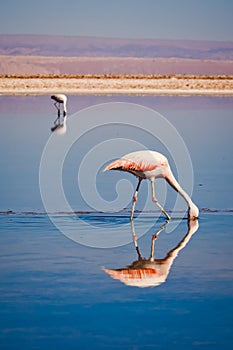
[151, 165]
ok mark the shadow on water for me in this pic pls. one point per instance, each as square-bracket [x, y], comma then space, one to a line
[151, 272]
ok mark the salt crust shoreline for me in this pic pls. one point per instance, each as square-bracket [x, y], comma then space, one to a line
[113, 86]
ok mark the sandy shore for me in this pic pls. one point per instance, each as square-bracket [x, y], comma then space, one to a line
[181, 85]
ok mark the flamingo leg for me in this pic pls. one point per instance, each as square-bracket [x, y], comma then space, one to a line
[135, 240]
[154, 199]
[57, 105]
[135, 197]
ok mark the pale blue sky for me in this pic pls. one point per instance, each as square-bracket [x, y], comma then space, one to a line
[156, 19]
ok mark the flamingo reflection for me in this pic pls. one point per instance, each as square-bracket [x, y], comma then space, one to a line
[151, 272]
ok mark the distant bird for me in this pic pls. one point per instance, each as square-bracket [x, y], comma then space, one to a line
[151, 165]
[60, 99]
[60, 128]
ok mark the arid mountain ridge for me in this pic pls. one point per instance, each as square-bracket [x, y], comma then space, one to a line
[46, 54]
[78, 46]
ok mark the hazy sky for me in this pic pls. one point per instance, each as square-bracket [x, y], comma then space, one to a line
[160, 19]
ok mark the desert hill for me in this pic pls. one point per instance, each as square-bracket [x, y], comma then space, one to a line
[46, 54]
[75, 46]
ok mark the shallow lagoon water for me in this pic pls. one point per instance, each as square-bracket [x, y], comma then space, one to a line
[55, 292]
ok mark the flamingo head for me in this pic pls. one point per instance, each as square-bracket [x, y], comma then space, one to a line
[193, 212]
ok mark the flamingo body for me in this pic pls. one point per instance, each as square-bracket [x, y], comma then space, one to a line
[60, 99]
[151, 165]
[144, 164]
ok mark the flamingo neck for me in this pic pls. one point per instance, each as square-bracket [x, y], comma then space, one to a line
[172, 181]
[64, 110]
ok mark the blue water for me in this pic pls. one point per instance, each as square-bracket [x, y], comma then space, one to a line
[55, 293]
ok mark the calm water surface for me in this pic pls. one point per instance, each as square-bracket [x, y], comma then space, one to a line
[56, 293]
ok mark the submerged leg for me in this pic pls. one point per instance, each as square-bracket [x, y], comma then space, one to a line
[135, 197]
[156, 201]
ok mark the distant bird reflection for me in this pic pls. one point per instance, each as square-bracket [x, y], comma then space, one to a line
[60, 123]
[151, 272]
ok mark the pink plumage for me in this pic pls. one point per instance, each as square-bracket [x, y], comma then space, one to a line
[143, 163]
[151, 165]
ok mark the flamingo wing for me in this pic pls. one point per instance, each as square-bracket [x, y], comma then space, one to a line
[130, 165]
[138, 161]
